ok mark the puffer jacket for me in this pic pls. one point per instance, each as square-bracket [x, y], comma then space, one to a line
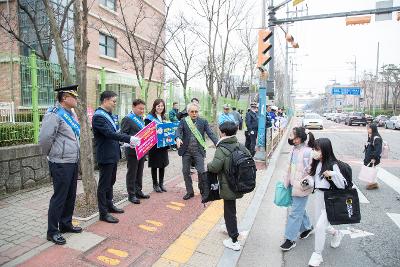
[57, 139]
[300, 160]
[220, 165]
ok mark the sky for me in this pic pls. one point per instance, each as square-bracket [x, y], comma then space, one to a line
[328, 47]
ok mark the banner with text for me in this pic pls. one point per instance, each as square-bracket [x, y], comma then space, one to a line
[148, 138]
[166, 133]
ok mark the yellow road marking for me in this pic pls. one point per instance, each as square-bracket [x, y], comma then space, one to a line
[117, 252]
[154, 223]
[174, 207]
[109, 261]
[148, 228]
[177, 204]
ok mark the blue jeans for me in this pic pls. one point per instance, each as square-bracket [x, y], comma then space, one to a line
[298, 220]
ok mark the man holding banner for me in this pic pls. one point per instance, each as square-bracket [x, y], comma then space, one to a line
[108, 153]
[131, 125]
[192, 145]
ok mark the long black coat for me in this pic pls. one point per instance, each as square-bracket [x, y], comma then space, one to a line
[158, 157]
[107, 140]
[373, 150]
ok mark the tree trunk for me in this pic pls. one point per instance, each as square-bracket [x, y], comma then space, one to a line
[86, 149]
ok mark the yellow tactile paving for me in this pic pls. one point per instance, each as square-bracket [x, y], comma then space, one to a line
[117, 252]
[183, 248]
[108, 261]
[148, 228]
[156, 223]
[174, 207]
[177, 204]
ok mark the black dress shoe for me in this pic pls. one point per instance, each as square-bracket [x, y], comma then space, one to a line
[188, 196]
[163, 188]
[57, 239]
[134, 199]
[71, 229]
[141, 195]
[108, 218]
[157, 189]
[114, 209]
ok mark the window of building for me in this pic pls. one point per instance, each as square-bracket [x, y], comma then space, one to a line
[107, 45]
[109, 4]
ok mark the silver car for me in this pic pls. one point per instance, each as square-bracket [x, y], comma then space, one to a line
[393, 123]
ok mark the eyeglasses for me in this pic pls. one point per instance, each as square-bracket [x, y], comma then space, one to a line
[194, 111]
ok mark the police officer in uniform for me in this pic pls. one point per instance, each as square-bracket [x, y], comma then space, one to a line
[59, 139]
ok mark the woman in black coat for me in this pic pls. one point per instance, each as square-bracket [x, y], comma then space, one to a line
[158, 157]
[373, 150]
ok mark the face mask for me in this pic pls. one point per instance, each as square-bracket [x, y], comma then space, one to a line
[290, 142]
[316, 155]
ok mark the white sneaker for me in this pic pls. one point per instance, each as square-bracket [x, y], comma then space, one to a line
[228, 243]
[336, 239]
[315, 260]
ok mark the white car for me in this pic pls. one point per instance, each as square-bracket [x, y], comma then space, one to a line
[393, 123]
[313, 120]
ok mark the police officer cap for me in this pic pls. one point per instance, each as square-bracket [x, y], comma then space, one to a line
[70, 89]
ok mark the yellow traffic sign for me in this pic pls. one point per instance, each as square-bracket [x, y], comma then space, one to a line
[296, 2]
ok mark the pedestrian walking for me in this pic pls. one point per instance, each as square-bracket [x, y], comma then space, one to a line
[226, 115]
[238, 118]
[172, 114]
[241, 120]
[108, 153]
[192, 145]
[158, 156]
[297, 177]
[131, 125]
[324, 166]
[59, 139]
[373, 150]
[252, 128]
[220, 165]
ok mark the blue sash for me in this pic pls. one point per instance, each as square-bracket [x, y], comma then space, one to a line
[76, 128]
[152, 118]
[104, 114]
[136, 119]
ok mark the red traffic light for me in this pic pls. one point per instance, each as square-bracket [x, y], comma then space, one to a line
[263, 47]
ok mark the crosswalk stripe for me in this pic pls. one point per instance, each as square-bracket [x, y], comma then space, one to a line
[395, 217]
[389, 179]
[361, 196]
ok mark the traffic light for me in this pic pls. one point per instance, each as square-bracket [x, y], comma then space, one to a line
[263, 47]
[358, 20]
[290, 40]
[398, 16]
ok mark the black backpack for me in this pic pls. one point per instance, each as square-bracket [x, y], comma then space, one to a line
[347, 173]
[242, 170]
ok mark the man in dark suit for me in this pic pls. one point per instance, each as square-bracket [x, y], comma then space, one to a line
[191, 144]
[108, 153]
[131, 125]
[252, 128]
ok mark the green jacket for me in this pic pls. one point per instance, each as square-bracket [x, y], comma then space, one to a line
[220, 165]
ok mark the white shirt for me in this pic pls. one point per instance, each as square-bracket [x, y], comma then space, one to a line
[337, 178]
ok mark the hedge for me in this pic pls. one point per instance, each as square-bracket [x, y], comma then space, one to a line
[16, 134]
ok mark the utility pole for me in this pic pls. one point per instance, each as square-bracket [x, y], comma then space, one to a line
[287, 89]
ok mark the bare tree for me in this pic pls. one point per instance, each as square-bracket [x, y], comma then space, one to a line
[144, 52]
[180, 54]
[81, 11]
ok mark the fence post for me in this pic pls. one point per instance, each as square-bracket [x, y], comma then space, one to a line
[102, 80]
[35, 96]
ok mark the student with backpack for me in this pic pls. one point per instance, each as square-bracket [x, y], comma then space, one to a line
[298, 178]
[326, 170]
[373, 150]
[232, 184]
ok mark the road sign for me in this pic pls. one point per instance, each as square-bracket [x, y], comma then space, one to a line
[296, 2]
[346, 91]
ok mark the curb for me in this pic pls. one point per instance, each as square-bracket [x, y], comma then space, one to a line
[229, 257]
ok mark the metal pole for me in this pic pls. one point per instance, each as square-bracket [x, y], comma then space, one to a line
[262, 94]
[35, 95]
[287, 91]
[355, 77]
